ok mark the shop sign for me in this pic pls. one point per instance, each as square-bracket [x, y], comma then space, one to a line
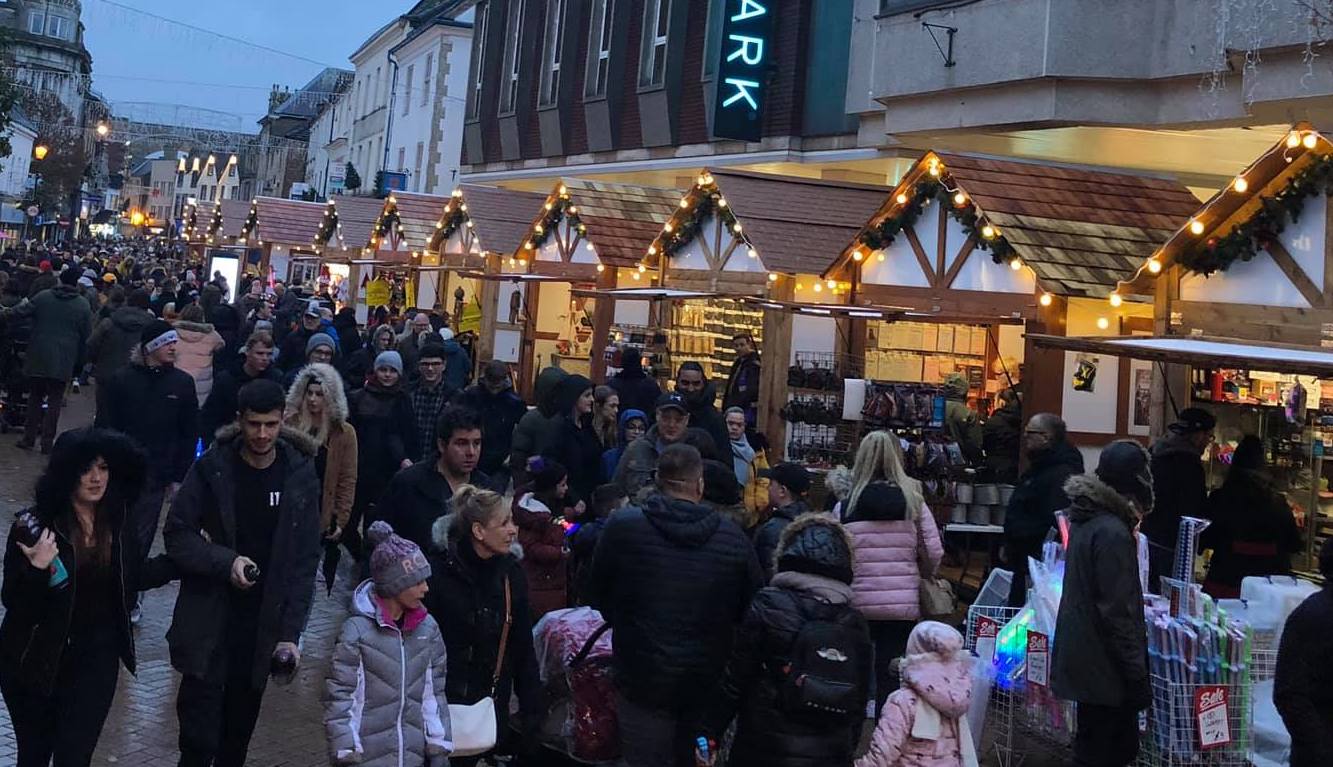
[377, 293]
[742, 70]
[1039, 659]
[988, 629]
[1211, 712]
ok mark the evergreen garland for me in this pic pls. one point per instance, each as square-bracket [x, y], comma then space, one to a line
[883, 234]
[454, 217]
[1246, 239]
[386, 223]
[190, 221]
[328, 226]
[552, 218]
[251, 221]
[216, 223]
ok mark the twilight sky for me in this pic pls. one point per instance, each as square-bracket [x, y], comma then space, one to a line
[141, 59]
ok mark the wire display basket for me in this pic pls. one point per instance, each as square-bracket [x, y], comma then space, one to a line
[1198, 725]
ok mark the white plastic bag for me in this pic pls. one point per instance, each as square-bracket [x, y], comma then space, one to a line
[983, 676]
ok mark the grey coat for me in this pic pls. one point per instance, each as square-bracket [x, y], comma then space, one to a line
[61, 324]
[638, 464]
[114, 338]
[384, 702]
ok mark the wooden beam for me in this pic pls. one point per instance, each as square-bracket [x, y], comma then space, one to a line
[976, 304]
[603, 314]
[1309, 291]
[777, 330]
[920, 252]
[488, 299]
[963, 254]
[1328, 251]
[940, 243]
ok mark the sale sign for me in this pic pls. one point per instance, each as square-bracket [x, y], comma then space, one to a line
[1211, 713]
[1039, 659]
[987, 631]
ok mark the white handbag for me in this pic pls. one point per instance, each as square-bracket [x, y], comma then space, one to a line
[473, 724]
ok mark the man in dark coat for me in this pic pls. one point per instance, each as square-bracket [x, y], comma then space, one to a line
[1303, 687]
[61, 324]
[501, 410]
[1039, 494]
[537, 425]
[292, 353]
[1101, 658]
[244, 531]
[700, 397]
[1180, 486]
[116, 336]
[743, 383]
[787, 485]
[639, 460]
[637, 389]
[419, 494]
[257, 363]
[1002, 438]
[673, 578]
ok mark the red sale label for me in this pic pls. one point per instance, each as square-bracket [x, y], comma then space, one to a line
[1039, 659]
[987, 630]
[1211, 713]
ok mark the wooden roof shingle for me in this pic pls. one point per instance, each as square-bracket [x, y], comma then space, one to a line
[501, 217]
[356, 216]
[293, 223]
[622, 220]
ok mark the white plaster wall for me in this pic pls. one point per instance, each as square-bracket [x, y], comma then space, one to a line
[1304, 239]
[899, 266]
[979, 272]
[1257, 281]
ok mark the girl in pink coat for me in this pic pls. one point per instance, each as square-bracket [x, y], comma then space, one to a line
[924, 723]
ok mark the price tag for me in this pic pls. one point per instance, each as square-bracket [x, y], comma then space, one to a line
[1039, 659]
[987, 630]
[1211, 711]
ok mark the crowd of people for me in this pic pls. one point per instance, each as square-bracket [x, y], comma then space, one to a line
[270, 432]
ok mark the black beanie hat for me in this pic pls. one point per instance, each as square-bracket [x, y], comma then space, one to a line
[70, 276]
[545, 473]
[154, 330]
[1125, 466]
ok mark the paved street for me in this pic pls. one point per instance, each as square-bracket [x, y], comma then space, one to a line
[142, 728]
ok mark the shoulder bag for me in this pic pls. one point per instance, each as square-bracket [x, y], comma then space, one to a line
[473, 724]
[935, 593]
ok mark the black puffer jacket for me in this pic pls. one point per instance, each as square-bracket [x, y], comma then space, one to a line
[1001, 438]
[1040, 492]
[114, 338]
[1179, 489]
[767, 536]
[417, 496]
[673, 631]
[386, 435]
[1102, 655]
[767, 734]
[156, 407]
[1303, 687]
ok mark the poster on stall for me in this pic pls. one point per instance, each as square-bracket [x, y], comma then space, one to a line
[1213, 717]
[1085, 374]
[1140, 392]
[987, 630]
[1039, 659]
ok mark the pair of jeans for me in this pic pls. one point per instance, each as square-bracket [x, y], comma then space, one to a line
[1108, 736]
[217, 716]
[66, 725]
[890, 641]
[52, 392]
[654, 737]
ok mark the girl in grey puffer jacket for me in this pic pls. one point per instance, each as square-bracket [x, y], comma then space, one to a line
[384, 703]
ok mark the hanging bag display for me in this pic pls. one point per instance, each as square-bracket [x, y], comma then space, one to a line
[473, 724]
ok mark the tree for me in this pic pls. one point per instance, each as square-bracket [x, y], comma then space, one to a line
[379, 185]
[351, 179]
[62, 172]
[8, 94]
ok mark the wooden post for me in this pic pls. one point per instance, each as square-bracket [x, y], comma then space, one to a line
[603, 315]
[527, 346]
[1169, 382]
[488, 298]
[773, 373]
[1045, 393]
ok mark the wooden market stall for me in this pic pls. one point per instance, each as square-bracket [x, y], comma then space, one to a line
[983, 251]
[280, 230]
[1255, 264]
[737, 234]
[196, 222]
[585, 234]
[342, 241]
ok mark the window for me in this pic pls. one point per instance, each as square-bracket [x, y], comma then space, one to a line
[717, 16]
[551, 49]
[416, 172]
[509, 72]
[426, 95]
[478, 59]
[402, 159]
[599, 47]
[656, 16]
[36, 23]
[407, 88]
[375, 102]
[58, 27]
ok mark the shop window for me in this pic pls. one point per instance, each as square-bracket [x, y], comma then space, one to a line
[599, 48]
[656, 18]
[512, 58]
[478, 59]
[551, 50]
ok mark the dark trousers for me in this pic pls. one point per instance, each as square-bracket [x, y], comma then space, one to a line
[890, 641]
[653, 737]
[1108, 736]
[1017, 549]
[52, 392]
[144, 516]
[66, 725]
[217, 718]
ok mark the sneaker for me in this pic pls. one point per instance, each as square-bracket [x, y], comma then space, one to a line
[136, 615]
[74, 385]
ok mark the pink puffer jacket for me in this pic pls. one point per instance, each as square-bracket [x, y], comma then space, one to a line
[194, 354]
[885, 570]
[938, 672]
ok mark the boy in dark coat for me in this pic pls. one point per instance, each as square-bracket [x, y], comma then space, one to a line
[1179, 485]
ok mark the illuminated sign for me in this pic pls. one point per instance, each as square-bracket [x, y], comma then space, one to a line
[742, 70]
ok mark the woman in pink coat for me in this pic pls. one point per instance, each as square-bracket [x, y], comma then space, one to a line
[896, 543]
[924, 723]
[194, 352]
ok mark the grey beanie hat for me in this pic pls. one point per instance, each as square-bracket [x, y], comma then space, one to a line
[390, 359]
[320, 339]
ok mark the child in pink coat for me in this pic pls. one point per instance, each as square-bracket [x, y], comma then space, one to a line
[924, 723]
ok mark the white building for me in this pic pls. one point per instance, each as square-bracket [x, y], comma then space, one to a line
[428, 104]
[370, 94]
[15, 170]
[330, 135]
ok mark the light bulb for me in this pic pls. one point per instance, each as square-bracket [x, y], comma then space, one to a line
[601, 268]
[736, 227]
[563, 190]
[666, 227]
[935, 170]
[652, 250]
[832, 284]
[1154, 266]
[901, 198]
[1015, 264]
[1240, 184]
[819, 288]
[879, 256]
[772, 277]
[1196, 226]
[857, 255]
[1293, 140]
[1310, 140]
[1116, 300]
[635, 275]
[684, 202]
[642, 268]
[752, 253]
[1045, 299]
[959, 198]
[722, 202]
[988, 232]
[1103, 323]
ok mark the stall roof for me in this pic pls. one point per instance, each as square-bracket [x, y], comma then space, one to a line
[518, 277]
[622, 220]
[417, 214]
[501, 217]
[1081, 231]
[234, 214]
[831, 310]
[357, 216]
[284, 222]
[1202, 351]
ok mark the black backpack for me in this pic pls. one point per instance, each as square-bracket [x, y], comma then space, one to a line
[827, 670]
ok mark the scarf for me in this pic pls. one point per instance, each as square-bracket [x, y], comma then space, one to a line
[927, 725]
[742, 456]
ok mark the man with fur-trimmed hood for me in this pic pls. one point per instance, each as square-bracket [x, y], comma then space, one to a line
[1101, 658]
[244, 531]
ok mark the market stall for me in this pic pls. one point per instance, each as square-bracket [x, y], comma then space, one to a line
[279, 229]
[196, 219]
[984, 251]
[739, 234]
[587, 235]
[341, 242]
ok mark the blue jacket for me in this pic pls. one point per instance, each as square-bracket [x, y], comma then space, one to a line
[611, 458]
[457, 365]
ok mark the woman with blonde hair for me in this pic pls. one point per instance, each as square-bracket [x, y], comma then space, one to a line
[606, 416]
[317, 406]
[896, 543]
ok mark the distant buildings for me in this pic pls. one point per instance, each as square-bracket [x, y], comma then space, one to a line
[285, 132]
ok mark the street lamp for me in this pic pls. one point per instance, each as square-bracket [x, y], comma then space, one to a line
[40, 151]
[102, 130]
[136, 218]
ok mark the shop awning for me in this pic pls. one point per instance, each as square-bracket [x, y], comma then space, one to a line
[649, 294]
[832, 310]
[1202, 351]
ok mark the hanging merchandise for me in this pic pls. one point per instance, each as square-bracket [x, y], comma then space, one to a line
[1085, 375]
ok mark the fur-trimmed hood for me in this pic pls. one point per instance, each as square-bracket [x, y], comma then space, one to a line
[442, 538]
[335, 399]
[839, 482]
[294, 437]
[1089, 496]
[199, 328]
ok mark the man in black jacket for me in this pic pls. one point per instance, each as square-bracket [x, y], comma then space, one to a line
[700, 397]
[1180, 486]
[220, 409]
[787, 485]
[1101, 660]
[493, 398]
[155, 405]
[1303, 687]
[637, 389]
[1039, 494]
[244, 531]
[743, 383]
[673, 578]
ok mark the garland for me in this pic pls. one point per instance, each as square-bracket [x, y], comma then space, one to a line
[883, 234]
[687, 227]
[562, 208]
[455, 215]
[251, 221]
[1217, 254]
[386, 223]
[216, 223]
[328, 226]
[190, 220]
